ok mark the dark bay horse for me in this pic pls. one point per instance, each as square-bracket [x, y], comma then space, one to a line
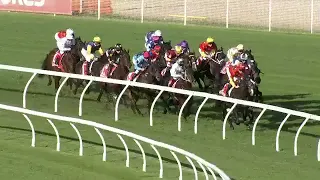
[209, 72]
[151, 75]
[243, 92]
[122, 67]
[96, 67]
[67, 63]
[253, 73]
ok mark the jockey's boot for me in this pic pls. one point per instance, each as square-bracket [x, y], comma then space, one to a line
[225, 89]
[132, 76]
[85, 68]
[108, 70]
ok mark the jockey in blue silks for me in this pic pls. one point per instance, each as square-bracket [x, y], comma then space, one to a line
[152, 39]
[140, 62]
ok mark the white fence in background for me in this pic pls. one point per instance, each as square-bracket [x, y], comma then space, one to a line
[263, 14]
[205, 166]
[307, 117]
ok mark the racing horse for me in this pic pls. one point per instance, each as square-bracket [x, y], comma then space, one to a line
[67, 63]
[184, 83]
[243, 92]
[121, 64]
[151, 75]
[253, 72]
[97, 66]
[210, 70]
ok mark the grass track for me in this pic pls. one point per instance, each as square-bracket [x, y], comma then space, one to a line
[290, 63]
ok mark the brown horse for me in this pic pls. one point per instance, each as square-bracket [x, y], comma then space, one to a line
[120, 72]
[151, 75]
[244, 92]
[67, 63]
[182, 83]
[179, 99]
[96, 67]
[208, 72]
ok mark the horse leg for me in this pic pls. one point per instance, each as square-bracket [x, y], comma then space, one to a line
[56, 82]
[134, 100]
[77, 85]
[103, 88]
[187, 110]
[50, 81]
[197, 78]
[236, 116]
[166, 106]
[100, 95]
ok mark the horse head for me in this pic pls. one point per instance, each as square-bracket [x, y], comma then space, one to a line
[166, 46]
[125, 58]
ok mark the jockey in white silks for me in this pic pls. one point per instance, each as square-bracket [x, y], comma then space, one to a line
[233, 56]
[177, 71]
[64, 40]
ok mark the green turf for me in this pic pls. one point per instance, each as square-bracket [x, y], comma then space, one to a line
[289, 62]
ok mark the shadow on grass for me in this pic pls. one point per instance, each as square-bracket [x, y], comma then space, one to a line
[109, 146]
[209, 112]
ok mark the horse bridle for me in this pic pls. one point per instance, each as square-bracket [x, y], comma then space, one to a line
[215, 58]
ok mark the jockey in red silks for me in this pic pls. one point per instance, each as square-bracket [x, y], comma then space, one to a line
[64, 39]
[234, 73]
[207, 49]
[170, 57]
[155, 53]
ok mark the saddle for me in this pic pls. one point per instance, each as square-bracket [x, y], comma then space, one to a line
[58, 57]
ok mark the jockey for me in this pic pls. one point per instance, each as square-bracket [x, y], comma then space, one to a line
[177, 71]
[155, 53]
[150, 44]
[88, 52]
[65, 39]
[140, 62]
[185, 47]
[116, 50]
[234, 73]
[149, 36]
[178, 50]
[233, 56]
[170, 57]
[207, 49]
[242, 55]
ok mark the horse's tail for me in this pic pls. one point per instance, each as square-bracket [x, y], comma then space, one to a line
[44, 66]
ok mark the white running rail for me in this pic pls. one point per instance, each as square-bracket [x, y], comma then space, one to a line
[206, 166]
[206, 96]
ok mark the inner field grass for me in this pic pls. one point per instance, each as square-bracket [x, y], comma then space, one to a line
[289, 62]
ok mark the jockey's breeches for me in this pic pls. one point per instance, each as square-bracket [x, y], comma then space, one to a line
[87, 56]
